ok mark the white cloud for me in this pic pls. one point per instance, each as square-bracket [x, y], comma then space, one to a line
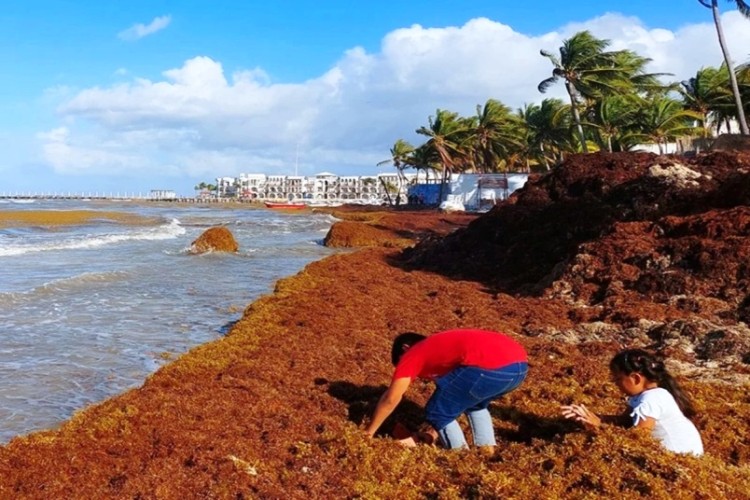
[199, 121]
[138, 31]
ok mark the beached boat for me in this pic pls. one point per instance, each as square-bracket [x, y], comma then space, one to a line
[285, 205]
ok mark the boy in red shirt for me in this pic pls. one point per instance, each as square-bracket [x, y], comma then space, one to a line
[470, 368]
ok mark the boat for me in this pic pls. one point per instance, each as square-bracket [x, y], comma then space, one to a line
[285, 205]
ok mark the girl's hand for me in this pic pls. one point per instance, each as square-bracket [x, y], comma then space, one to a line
[580, 413]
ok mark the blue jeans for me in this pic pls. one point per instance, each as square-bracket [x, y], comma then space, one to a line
[469, 389]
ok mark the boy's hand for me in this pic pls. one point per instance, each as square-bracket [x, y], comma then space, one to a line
[580, 413]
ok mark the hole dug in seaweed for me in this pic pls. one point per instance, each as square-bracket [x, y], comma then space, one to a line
[362, 399]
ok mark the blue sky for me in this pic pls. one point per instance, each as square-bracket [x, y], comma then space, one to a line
[133, 96]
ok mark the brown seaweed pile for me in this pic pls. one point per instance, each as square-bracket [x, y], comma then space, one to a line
[275, 409]
[641, 246]
[215, 239]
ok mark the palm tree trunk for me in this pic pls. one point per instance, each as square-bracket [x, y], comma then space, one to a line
[544, 156]
[732, 77]
[576, 115]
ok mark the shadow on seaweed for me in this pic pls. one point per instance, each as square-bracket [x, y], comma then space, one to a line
[362, 399]
[531, 426]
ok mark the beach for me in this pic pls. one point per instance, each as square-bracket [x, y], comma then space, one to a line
[275, 409]
[95, 296]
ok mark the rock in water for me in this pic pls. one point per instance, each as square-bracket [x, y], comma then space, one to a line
[215, 239]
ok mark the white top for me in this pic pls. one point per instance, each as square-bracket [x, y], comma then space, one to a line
[675, 432]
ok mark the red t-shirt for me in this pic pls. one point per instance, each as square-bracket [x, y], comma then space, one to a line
[440, 353]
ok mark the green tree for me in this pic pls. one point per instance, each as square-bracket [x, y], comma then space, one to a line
[744, 8]
[399, 153]
[547, 128]
[422, 158]
[497, 136]
[708, 94]
[663, 119]
[588, 72]
[446, 134]
[612, 117]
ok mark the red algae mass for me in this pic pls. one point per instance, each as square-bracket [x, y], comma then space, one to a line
[604, 251]
[215, 239]
[648, 248]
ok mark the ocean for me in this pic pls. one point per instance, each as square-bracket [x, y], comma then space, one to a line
[89, 311]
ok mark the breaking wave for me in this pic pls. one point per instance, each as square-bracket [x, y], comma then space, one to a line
[164, 232]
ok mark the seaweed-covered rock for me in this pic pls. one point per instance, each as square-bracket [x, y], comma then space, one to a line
[215, 239]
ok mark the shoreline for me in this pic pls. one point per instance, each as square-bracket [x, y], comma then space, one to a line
[49, 217]
[275, 408]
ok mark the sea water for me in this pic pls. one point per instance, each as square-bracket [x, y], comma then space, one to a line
[88, 311]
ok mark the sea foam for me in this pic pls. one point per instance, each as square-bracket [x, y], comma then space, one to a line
[163, 232]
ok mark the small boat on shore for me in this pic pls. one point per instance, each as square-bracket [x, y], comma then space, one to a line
[285, 205]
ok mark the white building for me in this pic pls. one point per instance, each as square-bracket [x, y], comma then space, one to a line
[162, 194]
[324, 187]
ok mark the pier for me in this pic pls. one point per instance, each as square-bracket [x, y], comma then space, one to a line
[73, 196]
[137, 197]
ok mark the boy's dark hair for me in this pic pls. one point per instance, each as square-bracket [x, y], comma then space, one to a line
[652, 367]
[404, 339]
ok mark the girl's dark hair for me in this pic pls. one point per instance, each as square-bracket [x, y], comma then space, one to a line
[652, 367]
[404, 339]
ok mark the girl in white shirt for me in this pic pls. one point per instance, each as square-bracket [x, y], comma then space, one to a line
[658, 403]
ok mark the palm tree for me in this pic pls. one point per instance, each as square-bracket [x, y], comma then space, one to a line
[422, 158]
[633, 71]
[744, 8]
[446, 132]
[662, 120]
[399, 152]
[497, 135]
[612, 117]
[547, 128]
[707, 94]
[588, 71]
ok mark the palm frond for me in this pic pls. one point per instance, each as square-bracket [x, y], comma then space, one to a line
[546, 84]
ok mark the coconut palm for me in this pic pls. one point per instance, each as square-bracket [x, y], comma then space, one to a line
[588, 72]
[547, 127]
[423, 158]
[632, 68]
[496, 137]
[663, 119]
[744, 8]
[708, 94]
[399, 152]
[743, 81]
[447, 133]
[612, 118]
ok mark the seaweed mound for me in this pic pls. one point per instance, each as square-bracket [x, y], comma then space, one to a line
[215, 239]
[351, 234]
[638, 241]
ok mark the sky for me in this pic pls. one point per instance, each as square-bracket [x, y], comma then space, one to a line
[123, 97]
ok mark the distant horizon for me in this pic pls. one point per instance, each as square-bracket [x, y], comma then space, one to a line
[102, 99]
